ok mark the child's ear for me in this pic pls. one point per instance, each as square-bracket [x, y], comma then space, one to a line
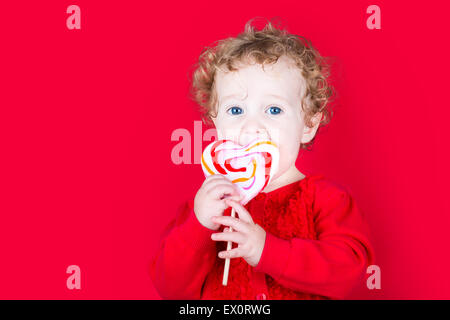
[213, 116]
[213, 119]
[310, 132]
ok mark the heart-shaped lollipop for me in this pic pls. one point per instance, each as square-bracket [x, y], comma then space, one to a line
[250, 167]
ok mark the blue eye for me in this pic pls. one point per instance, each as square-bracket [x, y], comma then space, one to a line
[236, 110]
[275, 110]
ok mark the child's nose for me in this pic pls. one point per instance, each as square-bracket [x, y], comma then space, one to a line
[250, 135]
[252, 128]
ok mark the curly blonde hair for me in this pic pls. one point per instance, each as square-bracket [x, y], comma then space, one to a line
[264, 46]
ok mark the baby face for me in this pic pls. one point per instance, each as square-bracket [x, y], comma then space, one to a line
[255, 103]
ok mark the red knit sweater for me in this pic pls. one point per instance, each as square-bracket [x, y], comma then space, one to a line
[316, 247]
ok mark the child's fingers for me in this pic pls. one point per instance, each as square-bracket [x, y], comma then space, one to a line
[220, 190]
[214, 178]
[242, 212]
[235, 223]
[235, 198]
[235, 237]
[234, 253]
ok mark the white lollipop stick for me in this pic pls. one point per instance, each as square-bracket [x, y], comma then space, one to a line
[227, 260]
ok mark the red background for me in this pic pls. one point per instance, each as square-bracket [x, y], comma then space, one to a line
[86, 118]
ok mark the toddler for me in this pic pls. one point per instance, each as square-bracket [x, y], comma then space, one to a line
[302, 237]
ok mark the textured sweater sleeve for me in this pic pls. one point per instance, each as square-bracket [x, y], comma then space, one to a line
[184, 257]
[331, 265]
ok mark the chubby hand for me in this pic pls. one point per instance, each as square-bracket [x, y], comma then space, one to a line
[249, 236]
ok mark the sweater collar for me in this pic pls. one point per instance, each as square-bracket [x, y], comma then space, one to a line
[285, 190]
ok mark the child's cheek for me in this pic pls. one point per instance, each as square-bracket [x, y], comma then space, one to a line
[288, 156]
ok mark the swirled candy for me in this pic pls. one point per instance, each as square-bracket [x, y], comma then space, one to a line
[250, 167]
